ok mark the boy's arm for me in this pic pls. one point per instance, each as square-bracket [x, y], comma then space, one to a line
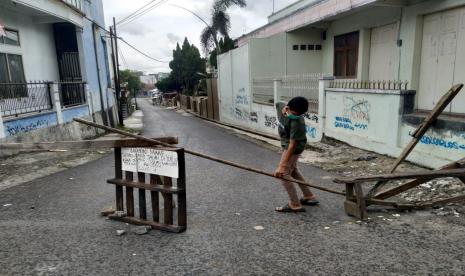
[283, 164]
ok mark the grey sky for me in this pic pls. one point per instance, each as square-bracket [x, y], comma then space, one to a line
[157, 32]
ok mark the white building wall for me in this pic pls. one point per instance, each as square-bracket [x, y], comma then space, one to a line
[303, 61]
[236, 70]
[55, 8]
[37, 46]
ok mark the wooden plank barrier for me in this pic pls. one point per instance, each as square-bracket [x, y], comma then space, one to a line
[356, 201]
[156, 184]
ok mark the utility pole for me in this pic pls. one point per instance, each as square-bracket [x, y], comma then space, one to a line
[114, 53]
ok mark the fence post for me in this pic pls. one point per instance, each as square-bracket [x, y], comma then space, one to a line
[58, 107]
[276, 88]
[323, 83]
[2, 128]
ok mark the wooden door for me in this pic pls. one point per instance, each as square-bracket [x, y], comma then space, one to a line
[438, 57]
[384, 53]
[458, 105]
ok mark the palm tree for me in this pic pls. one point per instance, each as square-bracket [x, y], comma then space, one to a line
[220, 24]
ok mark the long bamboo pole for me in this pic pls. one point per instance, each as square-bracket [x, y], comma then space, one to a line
[201, 155]
[233, 126]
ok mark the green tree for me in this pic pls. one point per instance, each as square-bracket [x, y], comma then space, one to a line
[220, 24]
[185, 66]
[226, 44]
[132, 80]
[167, 84]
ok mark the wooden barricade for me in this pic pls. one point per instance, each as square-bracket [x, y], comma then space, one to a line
[157, 185]
[356, 201]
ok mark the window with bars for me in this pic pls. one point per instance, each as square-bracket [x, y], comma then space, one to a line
[346, 55]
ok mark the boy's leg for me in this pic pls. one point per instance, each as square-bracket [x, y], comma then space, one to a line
[294, 201]
[296, 174]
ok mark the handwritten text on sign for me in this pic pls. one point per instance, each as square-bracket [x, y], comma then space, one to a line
[151, 161]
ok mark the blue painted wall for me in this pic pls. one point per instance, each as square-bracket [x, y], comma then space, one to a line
[94, 11]
[76, 112]
[24, 125]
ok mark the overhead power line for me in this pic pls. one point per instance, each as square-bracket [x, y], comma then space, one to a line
[142, 53]
[123, 58]
[196, 15]
[142, 11]
[135, 12]
[145, 12]
[132, 14]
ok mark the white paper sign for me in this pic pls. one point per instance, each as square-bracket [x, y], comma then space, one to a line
[148, 160]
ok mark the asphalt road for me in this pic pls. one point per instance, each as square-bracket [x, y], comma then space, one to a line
[53, 227]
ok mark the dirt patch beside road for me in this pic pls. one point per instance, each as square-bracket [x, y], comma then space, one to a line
[28, 166]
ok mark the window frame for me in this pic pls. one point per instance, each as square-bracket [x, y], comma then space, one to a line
[345, 50]
[15, 92]
[2, 39]
[7, 60]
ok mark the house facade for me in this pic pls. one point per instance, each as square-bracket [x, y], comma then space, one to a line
[53, 67]
[372, 69]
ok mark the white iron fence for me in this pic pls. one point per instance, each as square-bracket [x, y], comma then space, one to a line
[288, 88]
[263, 91]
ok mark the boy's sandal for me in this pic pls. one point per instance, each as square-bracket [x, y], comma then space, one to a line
[287, 209]
[309, 202]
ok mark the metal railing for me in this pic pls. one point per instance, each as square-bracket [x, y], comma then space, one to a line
[263, 91]
[301, 85]
[72, 93]
[289, 87]
[74, 3]
[378, 85]
[21, 98]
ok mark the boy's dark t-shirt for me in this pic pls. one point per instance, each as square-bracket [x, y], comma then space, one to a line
[291, 129]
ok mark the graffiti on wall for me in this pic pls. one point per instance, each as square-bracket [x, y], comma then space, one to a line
[271, 121]
[311, 117]
[356, 114]
[356, 110]
[239, 109]
[346, 123]
[441, 142]
[241, 97]
[254, 117]
[311, 131]
[239, 113]
[19, 128]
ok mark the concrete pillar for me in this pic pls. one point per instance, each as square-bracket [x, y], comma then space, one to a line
[277, 83]
[2, 128]
[58, 107]
[324, 83]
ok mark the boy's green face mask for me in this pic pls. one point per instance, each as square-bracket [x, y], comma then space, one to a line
[292, 116]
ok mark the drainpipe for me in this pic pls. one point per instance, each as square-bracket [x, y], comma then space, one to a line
[104, 114]
[2, 128]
